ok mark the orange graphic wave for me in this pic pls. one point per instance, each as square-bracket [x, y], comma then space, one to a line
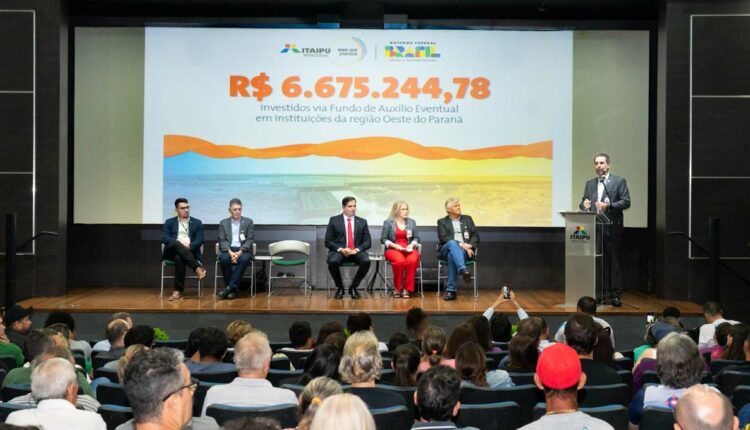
[361, 148]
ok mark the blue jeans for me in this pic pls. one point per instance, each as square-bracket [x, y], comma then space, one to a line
[456, 258]
[233, 272]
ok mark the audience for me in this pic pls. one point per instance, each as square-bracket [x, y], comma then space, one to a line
[654, 333]
[461, 334]
[560, 376]
[471, 365]
[343, 411]
[322, 361]
[300, 336]
[338, 340]
[312, 396]
[482, 331]
[63, 317]
[327, 329]
[116, 330]
[604, 352]
[360, 366]
[17, 324]
[701, 408]
[126, 358]
[397, 339]
[209, 346]
[501, 328]
[138, 335]
[579, 334]
[437, 397]
[236, 330]
[433, 347]
[719, 349]
[713, 314]
[104, 345]
[735, 342]
[9, 348]
[533, 328]
[405, 365]
[523, 354]
[745, 345]
[54, 387]
[361, 321]
[586, 305]
[417, 324]
[252, 357]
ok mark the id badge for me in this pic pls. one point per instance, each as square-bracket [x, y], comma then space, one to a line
[408, 233]
[466, 235]
[242, 237]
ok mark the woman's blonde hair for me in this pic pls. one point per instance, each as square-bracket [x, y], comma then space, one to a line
[237, 329]
[128, 355]
[396, 206]
[361, 361]
[343, 412]
[311, 398]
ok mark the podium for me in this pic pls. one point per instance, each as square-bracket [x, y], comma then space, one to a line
[584, 255]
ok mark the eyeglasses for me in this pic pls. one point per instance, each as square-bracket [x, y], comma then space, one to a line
[192, 387]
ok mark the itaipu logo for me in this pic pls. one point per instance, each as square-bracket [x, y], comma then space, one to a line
[580, 234]
[307, 52]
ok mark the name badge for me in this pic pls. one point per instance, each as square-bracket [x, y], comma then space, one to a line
[466, 235]
[408, 233]
[242, 237]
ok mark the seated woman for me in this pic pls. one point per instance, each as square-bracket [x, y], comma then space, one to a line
[523, 354]
[433, 345]
[360, 366]
[471, 365]
[405, 365]
[312, 396]
[322, 361]
[400, 238]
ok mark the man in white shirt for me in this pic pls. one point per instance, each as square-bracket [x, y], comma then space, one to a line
[252, 357]
[587, 305]
[54, 386]
[713, 314]
[104, 345]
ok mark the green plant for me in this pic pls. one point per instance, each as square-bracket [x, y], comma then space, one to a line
[160, 334]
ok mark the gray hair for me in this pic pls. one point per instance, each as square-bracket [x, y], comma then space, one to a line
[361, 361]
[343, 411]
[450, 201]
[150, 377]
[235, 201]
[51, 378]
[678, 363]
[252, 351]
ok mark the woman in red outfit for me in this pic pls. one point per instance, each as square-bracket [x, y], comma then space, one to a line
[400, 238]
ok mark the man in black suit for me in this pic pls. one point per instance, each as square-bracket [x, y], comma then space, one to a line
[348, 239]
[608, 195]
[236, 235]
[182, 237]
[458, 241]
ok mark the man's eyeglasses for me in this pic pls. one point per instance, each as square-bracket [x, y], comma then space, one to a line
[192, 387]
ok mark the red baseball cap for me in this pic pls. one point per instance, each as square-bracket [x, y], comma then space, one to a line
[559, 367]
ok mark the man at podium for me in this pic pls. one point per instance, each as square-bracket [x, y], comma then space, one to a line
[608, 195]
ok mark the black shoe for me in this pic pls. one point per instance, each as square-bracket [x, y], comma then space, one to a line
[466, 275]
[353, 292]
[449, 295]
[616, 301]
[339, 294]
[232, 294]
[223, 294]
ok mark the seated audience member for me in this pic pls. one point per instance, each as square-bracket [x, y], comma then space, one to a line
[252, 357]
[211, 349]
[744, 416]
[719, 347]
[252, 423]
[461, 334]
[587, 305]
[236, 330]
[116, 331]
[138, 335]
[160, 391]
[103, 345]
[433, 347]
[322, 361]
[300, 336]
[736, 350]
[654, 333]
[713, 314]
[37, 344]
[417, 324]
[54, 387]
[397, 339]
[559, 375]
[580, 335]
[523, 354]
[490, 312]
[544, 334]
[679, 366]
[481, 327]
[337, 340]
[671, 311]
[312, 396]
[501, 328]
[63, 317]
[471, 365]
[744, 367]
[702, 408]
[360, 366]
[604, 352]
[9, 348]
[405, 365]
[17, 324]
[437, 397]
[362, 321]
[85, 401]
[531, 327]
[342, 411]
[327, 329]
[126, 358]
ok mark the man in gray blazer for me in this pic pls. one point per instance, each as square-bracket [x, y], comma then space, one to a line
[458, 240]
[236, 235]
[608, 195]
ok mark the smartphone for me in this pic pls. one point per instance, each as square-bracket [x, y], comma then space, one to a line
[650, 318]
[506, 291]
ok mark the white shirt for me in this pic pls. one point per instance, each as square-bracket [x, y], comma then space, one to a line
[707, 331]
[600, 187]
[457, 230]
[236, 243]
[102, 345]
[81, 345]
[248, 392]
[183, 230]
[560, 335]
[57, 414]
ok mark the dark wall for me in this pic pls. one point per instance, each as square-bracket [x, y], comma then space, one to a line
[704, 60]
[33, 142]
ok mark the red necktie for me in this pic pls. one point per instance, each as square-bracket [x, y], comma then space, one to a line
[349, 235]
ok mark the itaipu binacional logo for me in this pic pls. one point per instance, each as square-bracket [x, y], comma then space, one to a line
[306, 51]
[580, 234]
[348, 50]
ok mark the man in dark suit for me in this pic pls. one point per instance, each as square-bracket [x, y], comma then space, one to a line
[608, 195]
[182, 237]
[236, 235]
[458, 241]
[348, 239]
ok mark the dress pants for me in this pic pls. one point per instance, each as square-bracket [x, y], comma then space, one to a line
[233, 272]
[403, 261]
[182, 257]
[456, 258]
[335, 259]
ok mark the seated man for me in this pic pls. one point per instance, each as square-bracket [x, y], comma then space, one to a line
[116, 331]
[586, 305]
[702, 408]
[236, 235]
[714, 316]
[209, 346]
[300, 336]
[347, 240]
[103, 345]
[252, 356]
[580, 335]
[138, 335]
[63, 317]
[436, 397]
[182, 237]
[559, 375]
[458, 241]
[17, 324]
[54, 387]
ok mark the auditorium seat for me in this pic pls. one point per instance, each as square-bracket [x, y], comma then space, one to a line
[718, 365]
[524, 395]
[407, 393]
[165, 263]
[11, 391]
[624, 363]
[9, 362]
[286, 414]
[393, 418]
[7, 409]
[200, 396]
[275, 346]
[276, 376]
[497, 356]
[730, 379]
[114, 415]
[387, 376]
[223, 377]
[289, 248]
[614, 415]
[98, 362]
[297, 358]
[655, 418]
[650, 377]
[109, 393]
[522, 378]
[294, 387]
[500, 415]
[740, 397]
[603, 395]
[110, 374]
[280, 363]
[180, 344]
[626, 377]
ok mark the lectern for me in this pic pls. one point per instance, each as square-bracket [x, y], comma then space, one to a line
[584, 255]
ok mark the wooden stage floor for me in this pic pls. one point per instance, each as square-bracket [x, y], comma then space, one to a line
[291, 300]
